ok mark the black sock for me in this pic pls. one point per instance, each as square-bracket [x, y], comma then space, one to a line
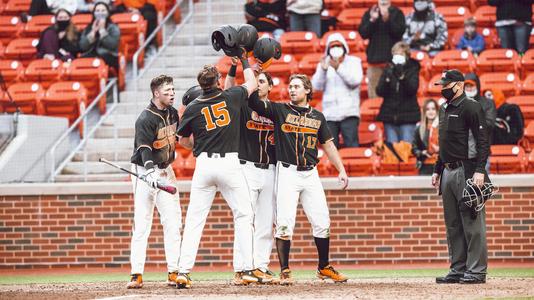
[323, 249]
[282, 247]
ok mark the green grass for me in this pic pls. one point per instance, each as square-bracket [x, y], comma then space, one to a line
[202, 276]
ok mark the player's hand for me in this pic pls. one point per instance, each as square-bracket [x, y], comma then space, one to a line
[343, 179]
[435, 180]
[334, 63]
[235, 60]
[374, 13]
[478, 179]
[425, 153]
[150, 178]
[324, 63]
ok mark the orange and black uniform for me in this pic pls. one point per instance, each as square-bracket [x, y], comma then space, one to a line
[257, 138]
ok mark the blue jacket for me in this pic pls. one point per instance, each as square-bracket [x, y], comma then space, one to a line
[476, 43]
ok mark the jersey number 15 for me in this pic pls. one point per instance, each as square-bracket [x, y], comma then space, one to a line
[219, 111]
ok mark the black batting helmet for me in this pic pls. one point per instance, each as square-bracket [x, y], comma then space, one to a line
[227, 39]
[191, 94]
[247, 35]
[265, 50]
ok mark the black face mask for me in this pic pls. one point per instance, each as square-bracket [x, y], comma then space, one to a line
[62, 25]
[448, 93]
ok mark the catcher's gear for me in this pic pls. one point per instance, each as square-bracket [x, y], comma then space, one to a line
[191, 94]
[227, 39]
[265, 50]
[475, 197]
[247, 35]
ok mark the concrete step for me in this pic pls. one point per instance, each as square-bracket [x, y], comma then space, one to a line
[226, 16]
[114, 132]
[192, 61]
[198, 38]
[175, 72]
[121, 120]
[94, 156]
[220, 6]
[182, 83]
[94, 168]
[92, 177]
[119, 144]
[185, 51]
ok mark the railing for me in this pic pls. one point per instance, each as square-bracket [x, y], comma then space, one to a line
[93, 110]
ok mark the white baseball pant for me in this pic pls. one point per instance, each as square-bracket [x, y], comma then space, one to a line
[261, 187]
[306, 185]
[170, 215]
[225, 174]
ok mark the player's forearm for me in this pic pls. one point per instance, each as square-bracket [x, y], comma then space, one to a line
[186, 142]
[333, 155]
[146, 157]
[229, 81]
[250, 79]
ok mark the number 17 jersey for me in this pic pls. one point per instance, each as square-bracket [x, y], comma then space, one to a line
[214, 120]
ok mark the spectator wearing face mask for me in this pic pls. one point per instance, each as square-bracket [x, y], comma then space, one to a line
[59, 40]
[304, 15]
[101, 37]
[426, 28]
[471, 40]
[398, 86]
[425, 145]
[87, 6]
[339, 75]
[514, 23]
[472, 90]
[383, 25]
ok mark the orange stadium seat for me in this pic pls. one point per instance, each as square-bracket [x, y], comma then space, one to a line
[359, 161]
[498, 60]
[526, 103]
[188, 167]
[44, 71]
[454, 15]
[527, 63]
[486, 16]
[299, 43]
[530, 168]
[528, 85]
[529, 132]
[507, 159]
[279, 91]
[65, 99]
[133, 33]
[37, 24]
[308, 63]
[424, 60]
[434, 90]
[369, 133]
[325, 168]
[450, 2]
[283, 67]
[81, 20]
[16, 7]
[508, 83]
[491, 39]
[93, 74]
[224, 64]
[26, 96]
[423, 85]
[462, 60]
[353, 38]
[10, 28]
[369, 109]
[11, 70]
[333, 4]
[23, 49]
[350, 18]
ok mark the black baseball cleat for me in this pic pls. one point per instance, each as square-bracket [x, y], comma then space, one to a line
[448, 279]
[472, 280]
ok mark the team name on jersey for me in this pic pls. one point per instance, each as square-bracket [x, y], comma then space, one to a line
[293, 124]
[166, 136]
[259, 123]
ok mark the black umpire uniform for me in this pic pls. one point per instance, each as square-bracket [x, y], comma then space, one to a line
[463, 151]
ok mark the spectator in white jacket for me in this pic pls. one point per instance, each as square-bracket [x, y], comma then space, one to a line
[339, 76]
[304, 15]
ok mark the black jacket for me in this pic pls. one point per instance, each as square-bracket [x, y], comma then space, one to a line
[520, 10]
[419, 144]
[398, 86]
[382, 35]
[488, 106]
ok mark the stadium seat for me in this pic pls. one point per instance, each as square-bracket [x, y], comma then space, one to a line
[508, 83]
[308, 63]
[498, 60]
[16, 7]
[369, 109]
[44, 71]
[450, 2]
[36, 25]
[224, 64]
[279, 91]
[454, 15]
[359, 161]
[93, 74]
[357, 3]
[23, 49]
[529, 132]
[491, 39]
[283, 67]
[11, 70]
[462, 60]
[350, 18]
[363, 58]
[507, 159]
[353, 38]
[424, 60]
[325, 168]
[81, 20]
[188, 167]
[527, 63]
[526, 103]
[530, 162]
[10, 28]
[527, 87]
[433, 90]
[133, 33]
[26, 96]
[66, 99]
[370, 133]
[423, 86]
[299, 43]
[486, 16]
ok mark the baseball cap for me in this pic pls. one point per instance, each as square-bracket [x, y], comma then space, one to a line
[450, 76]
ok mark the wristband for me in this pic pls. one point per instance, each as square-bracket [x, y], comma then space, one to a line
[232, 71]
[245, 63]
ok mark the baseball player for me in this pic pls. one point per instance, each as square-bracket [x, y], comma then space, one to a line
[214, 121]
[257, 157]
[155, 137]
[298, 129]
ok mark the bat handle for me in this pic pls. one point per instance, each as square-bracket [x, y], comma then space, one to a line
[167, 188]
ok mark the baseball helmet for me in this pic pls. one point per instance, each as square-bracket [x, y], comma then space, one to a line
[247, 36]
[191, 94]
[226, 38]
[475, 197]
[265, 50]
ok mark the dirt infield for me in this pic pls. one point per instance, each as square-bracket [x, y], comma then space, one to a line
[409, 288]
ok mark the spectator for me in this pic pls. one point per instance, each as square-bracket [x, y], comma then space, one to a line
[147, 9]
[471, 40]
[425, 145]
[339, 76]
[49, 7]
[87, 6]
[426, 29]
[509, 124]
[267, 16]
[472, 90]
[398, 86]
[59, 40]
[304, 15]
[101, 37]
[514, 22]
[383, 25]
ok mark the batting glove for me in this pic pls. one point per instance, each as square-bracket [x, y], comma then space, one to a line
[150, 178]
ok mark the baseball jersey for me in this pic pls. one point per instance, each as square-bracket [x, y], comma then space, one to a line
[257, 137]
[214, 120]
[297, 130]
[155, 129]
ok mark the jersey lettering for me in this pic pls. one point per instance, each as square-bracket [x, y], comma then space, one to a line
[222, 118]
[312, 142]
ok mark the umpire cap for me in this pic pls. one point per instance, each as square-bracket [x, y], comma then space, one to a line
[450, 76]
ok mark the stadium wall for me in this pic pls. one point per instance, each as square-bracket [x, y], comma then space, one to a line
[397, 220]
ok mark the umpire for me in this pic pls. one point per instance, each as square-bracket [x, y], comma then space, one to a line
[463, 152]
